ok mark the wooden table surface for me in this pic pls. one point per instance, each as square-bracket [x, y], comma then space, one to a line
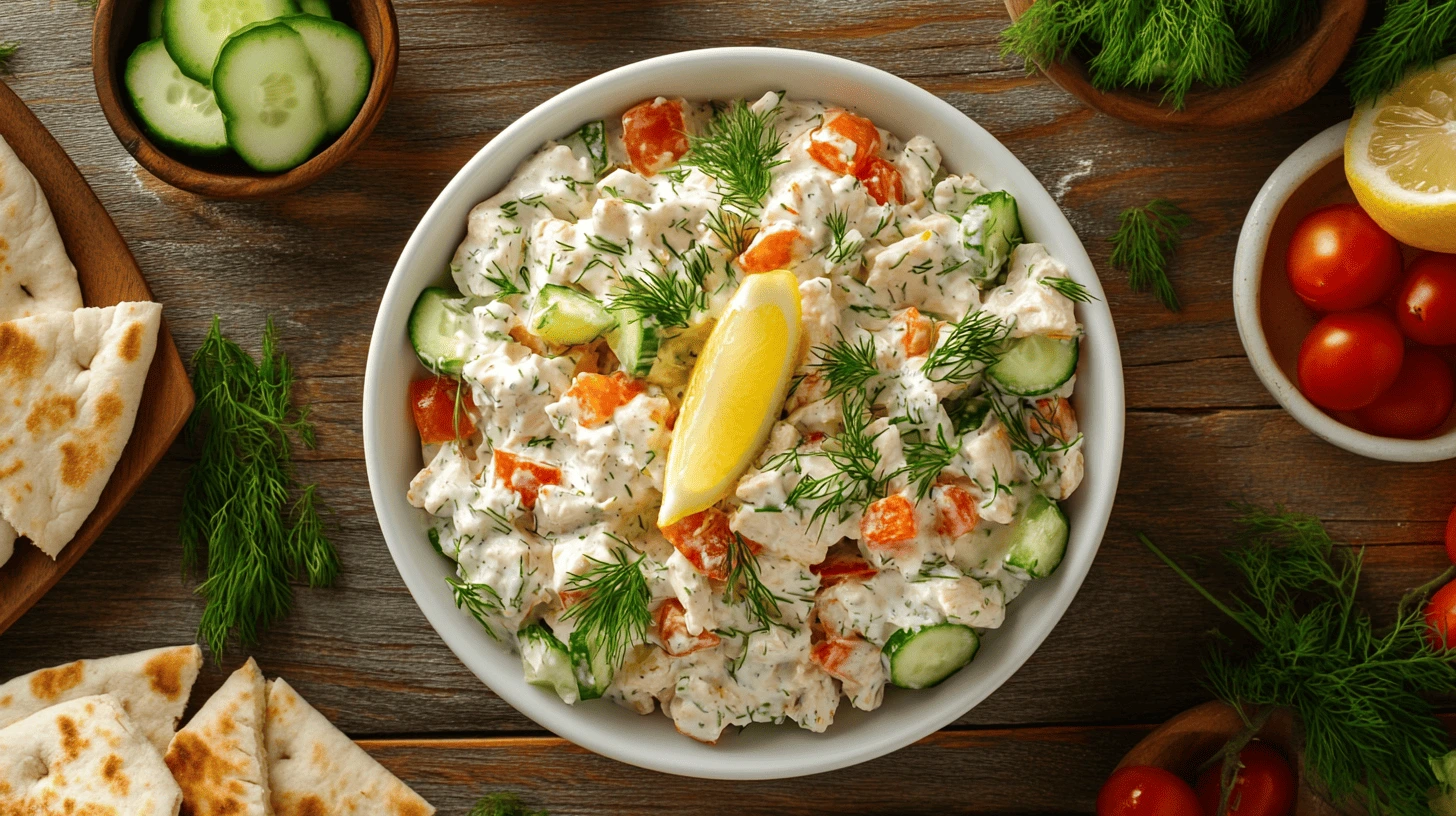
[1201, 430]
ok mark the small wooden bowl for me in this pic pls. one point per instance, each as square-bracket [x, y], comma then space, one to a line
[121, 26]
[1271, 88]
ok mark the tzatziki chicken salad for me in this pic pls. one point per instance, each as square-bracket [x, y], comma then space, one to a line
[737, 408]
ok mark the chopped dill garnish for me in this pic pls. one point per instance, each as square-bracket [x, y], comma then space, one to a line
[746, 587]
[840, 249]
[1013, 419]
[1069, 289]
[1145, 240]
[739, 150]
[601, 244]
[503, 803]
[236, 517]
[732, 230]
[855, 481]
[846, 366]
[667, 297]
[480, 600]
[971, 346]
[504, 283]
[1413, 35]
[926, 458]
[7, 53]
[613, 616]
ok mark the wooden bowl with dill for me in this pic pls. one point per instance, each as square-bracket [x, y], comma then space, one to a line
[1276, 80]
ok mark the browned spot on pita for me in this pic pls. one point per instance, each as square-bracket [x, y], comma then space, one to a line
[131, 342]
[52, 683]
[78, 463]
[226, 724]
[51, 413]
[72, 743]
[199, 772]
[307, 806]
[108, 409]
[165, 673]
[19, 354]
[6, 473]
[113, 774]
[401, 806]
[6, 701]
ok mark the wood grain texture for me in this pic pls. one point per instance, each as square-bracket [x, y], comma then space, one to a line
[1202, 432]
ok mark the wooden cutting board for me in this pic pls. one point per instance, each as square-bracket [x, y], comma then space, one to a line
[108, 274]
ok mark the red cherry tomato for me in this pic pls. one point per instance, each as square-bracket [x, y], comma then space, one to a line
[1451, 536]
[1418, 402]
[1141, 790]
[1340, 259]
[1426, 306]
[1441, 617]
[1264, 785]
[1349, 359]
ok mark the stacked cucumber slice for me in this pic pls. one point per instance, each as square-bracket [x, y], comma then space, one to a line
[269, 80]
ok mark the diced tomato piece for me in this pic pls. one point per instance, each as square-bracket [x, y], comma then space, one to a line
[435, 410]
[524, 476]
[919, 332]
[770, 251]
[598, 396]
[703, 539]
[672, 630]
[882, 181]
[888, 522]
[843, 565]
[845, 143]
[955, 511]
[1053, 417]
[655, 134]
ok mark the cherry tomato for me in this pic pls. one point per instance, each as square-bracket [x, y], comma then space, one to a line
[1451, 536]
[1426, 307]
[1141, 790]
[1418, 402]
[1340, 259]
[1349, 359]
[1264, 785]
[1441, 617]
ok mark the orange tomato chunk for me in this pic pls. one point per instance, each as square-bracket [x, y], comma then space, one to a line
[919, 333]
[655, 134]
[882, 181]
[672, 630]
[524, 476]
[770, 251]
[1053, 417]
[955, 511]
[703, 539]
[435, 411]
[843, 565]
[888, 522]
[598, 396]
[845, 143]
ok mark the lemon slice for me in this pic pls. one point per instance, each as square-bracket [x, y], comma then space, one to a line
[736, 392]
[1400, 158]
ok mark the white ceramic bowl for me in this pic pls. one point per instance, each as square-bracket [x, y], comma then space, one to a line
[1306, 178]
[762, 751]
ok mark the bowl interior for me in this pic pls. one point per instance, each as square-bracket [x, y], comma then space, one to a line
[761, 751]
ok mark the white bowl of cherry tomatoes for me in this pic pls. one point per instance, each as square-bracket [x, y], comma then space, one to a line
[1351, 331]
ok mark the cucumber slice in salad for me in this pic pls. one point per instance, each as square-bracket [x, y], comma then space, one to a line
[1035, 365]
[1000, 230]
[590, 142]
[176, 110]
[1039, 539]
[195, 30]
[270, 95]
[924, 657]
[436, 324]
[154, 19]
[547, 663]
[318, 8]
[593, 672]
[343, 63]
[567, 316]
[634, 341]
[967, 413]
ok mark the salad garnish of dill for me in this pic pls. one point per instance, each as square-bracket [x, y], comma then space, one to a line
[244, 515]
[745, 586]
[739, 150]
[480, 600]
[1361, 691]
[665, 296]
[1069, 289]
[846, 366]
[614, 614]
[1144, 243]
[855, 480]
[1413, 35]
[972, 345]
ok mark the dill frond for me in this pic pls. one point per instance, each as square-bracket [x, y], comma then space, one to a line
[732, 230]
[503, 803]
[846, 366]
[739, 150]
[1013, 418]
[1069, 289]
[665, 296]
[614, 615]
[1145, 241]
[746, 587]
[973, 344]
[480, 600]
[1413, 35]
[8, 48]
[855, 481]
[840, 249]
[926, 458]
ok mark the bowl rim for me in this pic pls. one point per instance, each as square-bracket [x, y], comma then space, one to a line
[1311, 157]
[111, 94]
[815, 753]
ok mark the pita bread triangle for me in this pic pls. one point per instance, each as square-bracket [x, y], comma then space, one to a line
[314, 768]
[35, 274]
[151, 686]
[220, 759]
[71, 383]
[85, 756]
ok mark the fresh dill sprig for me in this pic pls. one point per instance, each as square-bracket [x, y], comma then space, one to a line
[7, 53]
[1070, 289]
[665, 296]
[855, 480]
[972, 345]
[846, 366]
[505, 284]
[746, 587]
[732, 230]
[236, 513]
[503, 803]
[1145, 240]
[739, 150]
[840, 249]
[1013, 419]
[613, 616]
[1361, 692]
[608, 246]
[1414, 34]
[926, 458]
[480, 600]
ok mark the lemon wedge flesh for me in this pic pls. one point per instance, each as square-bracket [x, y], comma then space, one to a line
[1400, 158]
[736, 392]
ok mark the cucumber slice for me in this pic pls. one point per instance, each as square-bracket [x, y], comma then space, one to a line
[318, 8]
[967, 414]
[590, 142]
[1035, 365]
[270, 96]
[1000, 231]
[435, 325]
[634, 341]
[195, 30]
[154, 19]
[567, 316]
[176, 110]
[921, 658]
[1039, 540]
[547, 663]
[343, 63]
[593, 672]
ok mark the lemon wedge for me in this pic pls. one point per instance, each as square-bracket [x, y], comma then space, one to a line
[1400, 158]
[736, 392]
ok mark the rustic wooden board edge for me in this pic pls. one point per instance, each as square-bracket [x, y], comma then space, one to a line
[108, 274]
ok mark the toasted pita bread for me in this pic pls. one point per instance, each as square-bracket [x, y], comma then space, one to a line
[313, 768]
[35, 274]
[152, 687]
[71, 383]
[85, 756]
[220, 759]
